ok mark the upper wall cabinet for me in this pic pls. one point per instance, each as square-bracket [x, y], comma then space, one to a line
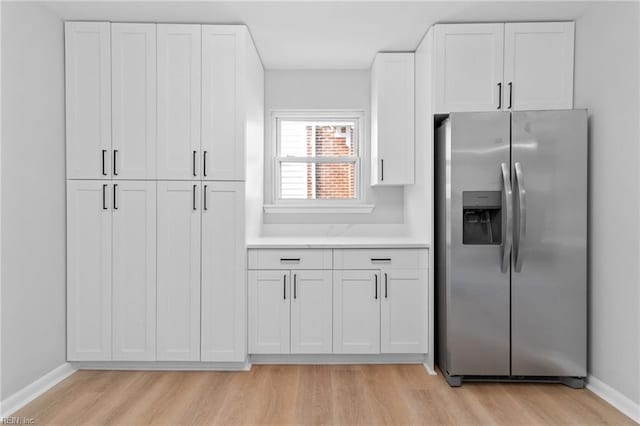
[392, 129]
[538, 65]
[179, 101]
[88, 99]
[468, 67]
[489, 67]
[133, 83]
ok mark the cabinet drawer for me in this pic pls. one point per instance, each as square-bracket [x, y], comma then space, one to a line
[290, 259]
[380, 258]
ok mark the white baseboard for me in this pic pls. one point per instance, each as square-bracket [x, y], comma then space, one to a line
[615, 398]
[338, 359]
[30, 392]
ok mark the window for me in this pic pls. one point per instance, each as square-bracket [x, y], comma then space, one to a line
[317, 158]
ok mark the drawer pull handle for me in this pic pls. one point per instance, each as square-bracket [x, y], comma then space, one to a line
[381, 259]
[289, 259]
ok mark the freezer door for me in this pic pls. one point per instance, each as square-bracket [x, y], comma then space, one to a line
[549, 279]
[477, 279]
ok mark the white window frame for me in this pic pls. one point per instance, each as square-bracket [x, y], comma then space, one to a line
[355, 205]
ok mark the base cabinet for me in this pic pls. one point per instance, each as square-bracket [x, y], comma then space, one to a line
[375, 301]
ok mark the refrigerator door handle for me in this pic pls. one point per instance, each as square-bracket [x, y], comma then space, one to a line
[508, 219]
[522, 217]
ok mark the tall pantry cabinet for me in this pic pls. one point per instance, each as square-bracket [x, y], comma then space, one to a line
[157, 119]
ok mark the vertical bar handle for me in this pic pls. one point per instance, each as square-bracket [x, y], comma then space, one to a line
[375, 286]
[510, 93]
[115, 200]
[295, 286]
[115, 159]
[194, 163]
[284, 287]
[386, 286]
[507, 219]
[204, 163]
[194, 197]
[104, 196]
[522, 218]
[104, 171]
[382, 170]
[499, 96]
[204, 198]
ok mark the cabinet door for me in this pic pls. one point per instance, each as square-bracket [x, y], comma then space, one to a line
[468, 67]
[269, 297]
[311, 303]
[88, 99]
[356, 312]
[178, 101]
[538, 65]
[133, 76]
[403, 312]
[222, 141]
[392, 111]
[88, 271]
[134, 270]
[178, 329]
[224, 269]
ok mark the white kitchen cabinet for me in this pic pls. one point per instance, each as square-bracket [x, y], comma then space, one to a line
[88, 99]
[223, 48]
[223, 272]
[468, 67]
[269, 304]
[392, 119]
[88, 271]
[311, 312]
[178, 291]
[538, 65]
[133, 83]
[179, 81]
[356, 312]
[403, 311]
[134, 270]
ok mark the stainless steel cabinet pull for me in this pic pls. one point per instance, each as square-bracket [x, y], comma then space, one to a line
[386, 289]
[194, 163]
[115, 170]
[204, 198]
[499, 95]
[115, 190]
[104, 171]
[522, 218]
[381, 259]
[507, 227]
[194, 197]
[510, 93]
[204, 163]
[289, 259]
[376, 287]
[284, 287]
[295, 286]
[382, 170]
[104, 196]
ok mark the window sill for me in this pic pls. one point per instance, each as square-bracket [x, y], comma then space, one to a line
[319, 209]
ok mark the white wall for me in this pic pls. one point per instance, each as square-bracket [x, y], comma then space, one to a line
[329, 89]
[606, 82]
[33, 195]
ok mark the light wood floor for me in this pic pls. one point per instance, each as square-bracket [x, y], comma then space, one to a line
[295, 394]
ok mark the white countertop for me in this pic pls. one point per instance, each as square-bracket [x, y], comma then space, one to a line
[343, 242]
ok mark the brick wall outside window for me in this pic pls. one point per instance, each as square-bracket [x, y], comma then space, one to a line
[332, 181]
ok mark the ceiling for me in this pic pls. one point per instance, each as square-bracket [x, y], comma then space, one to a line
[322, 34]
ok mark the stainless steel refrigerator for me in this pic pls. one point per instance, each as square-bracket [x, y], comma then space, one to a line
[511, 246]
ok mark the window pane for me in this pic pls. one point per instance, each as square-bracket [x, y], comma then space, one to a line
[311, 181]
[317, 138]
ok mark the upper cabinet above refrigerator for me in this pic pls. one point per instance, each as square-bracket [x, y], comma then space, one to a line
[509, 67]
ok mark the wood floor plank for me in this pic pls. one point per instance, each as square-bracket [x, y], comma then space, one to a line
[309, 395]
